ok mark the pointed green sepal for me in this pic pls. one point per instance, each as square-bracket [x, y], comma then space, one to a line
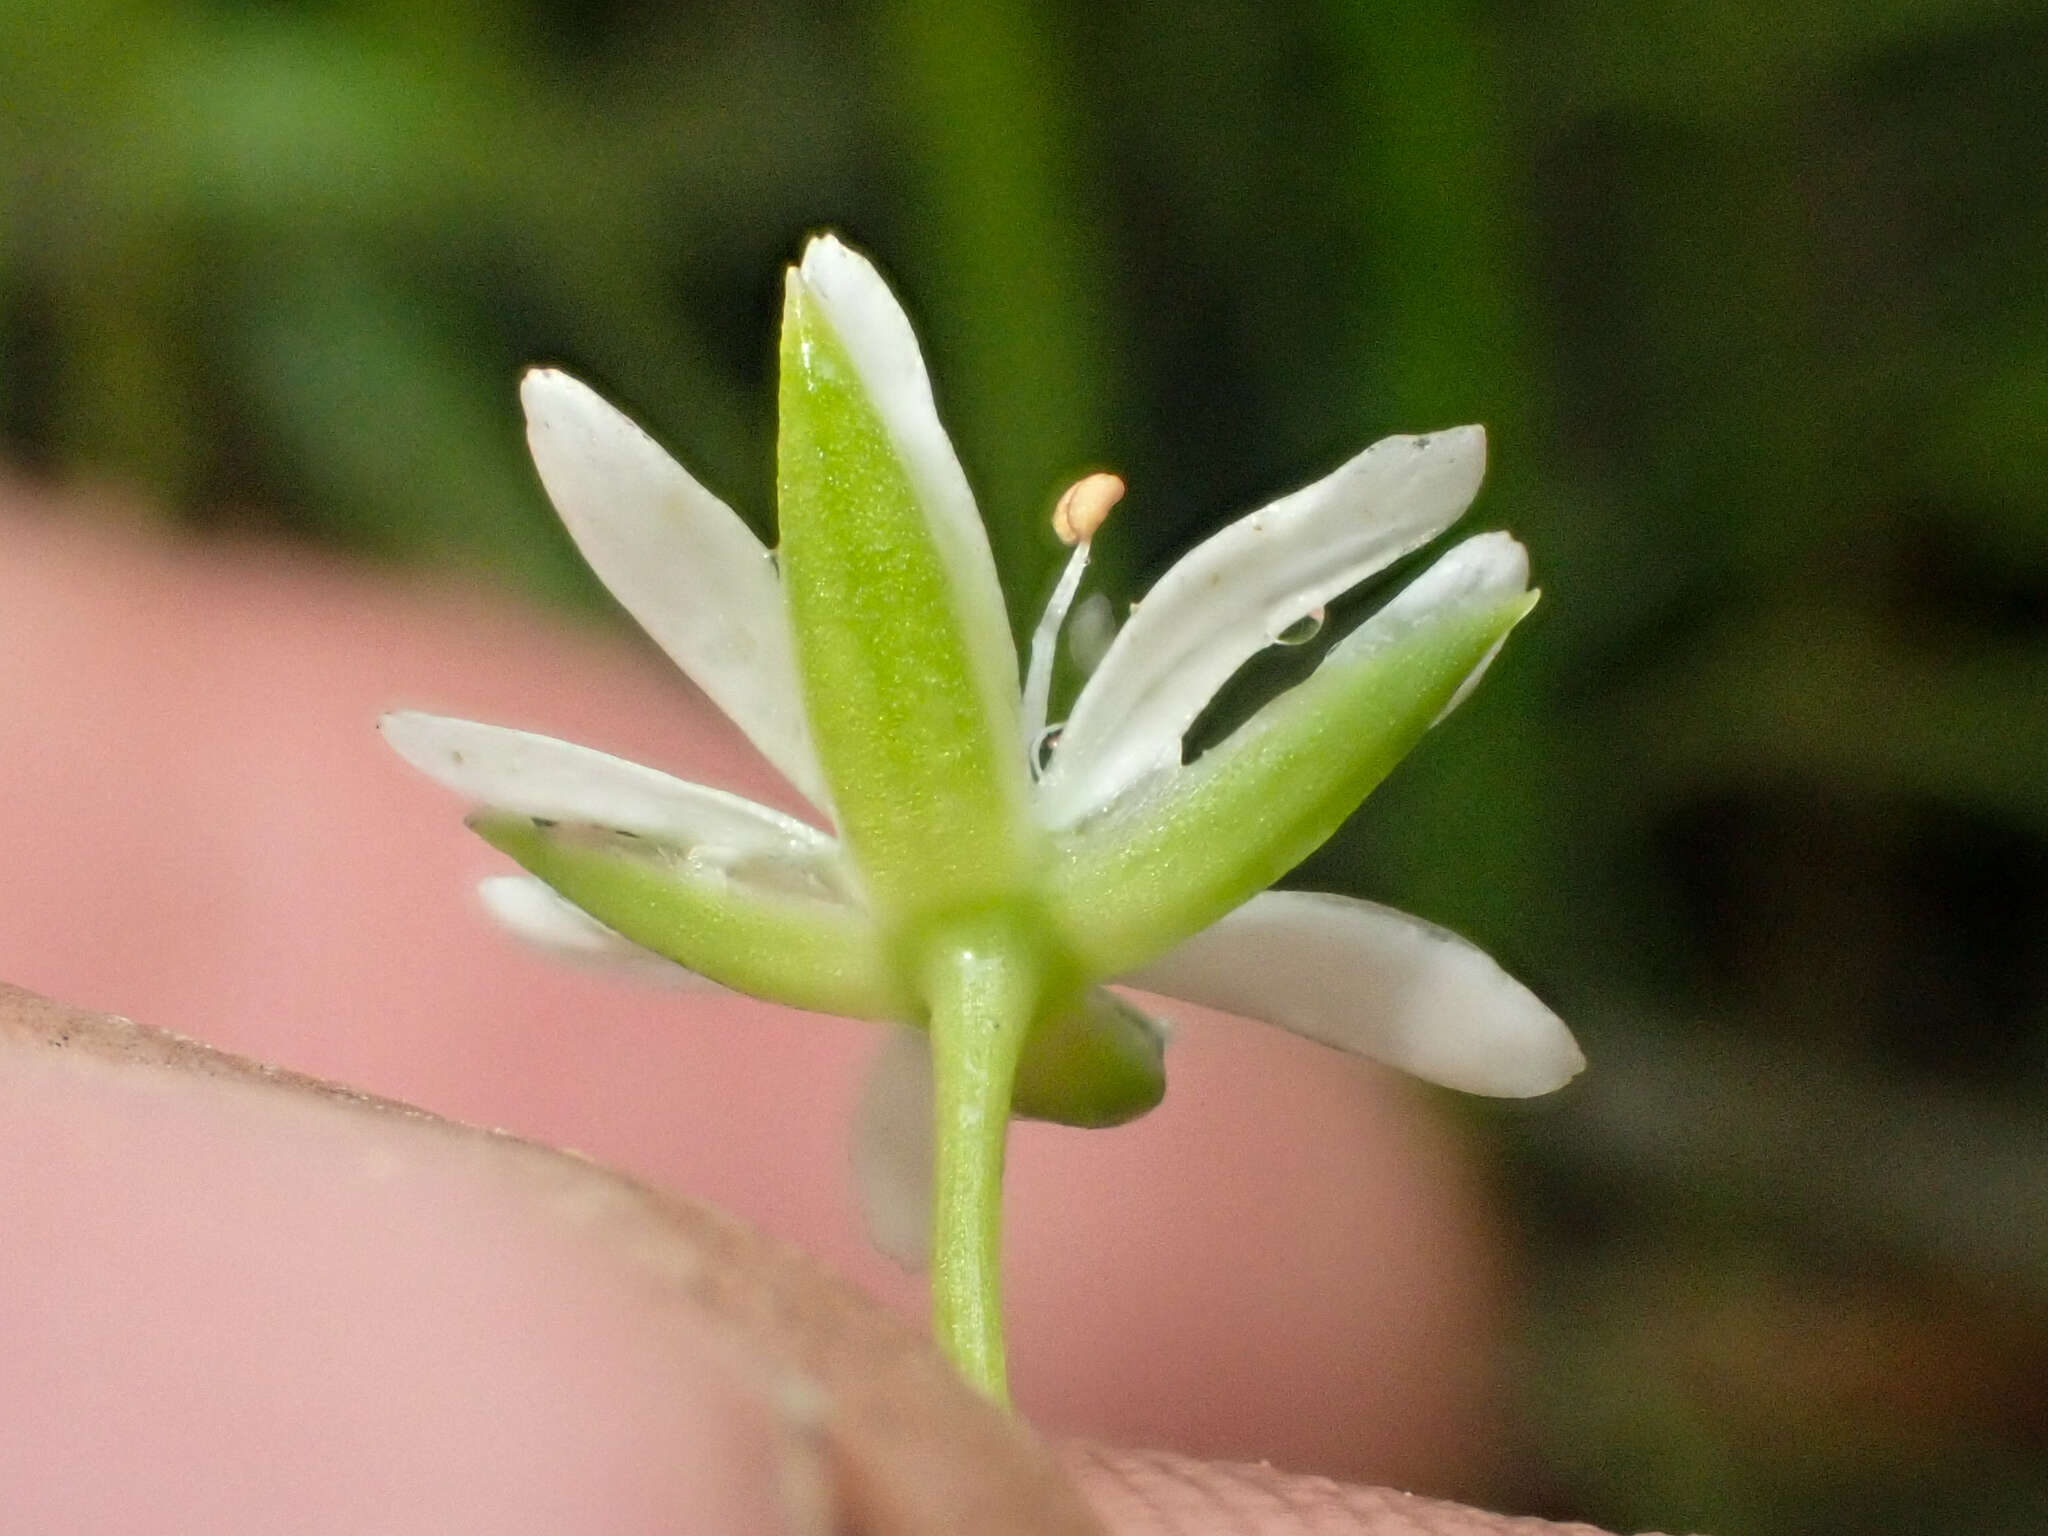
[748, 926]
[1168, 861]
[909, 684]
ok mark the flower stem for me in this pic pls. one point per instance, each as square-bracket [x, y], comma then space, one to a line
[982, 994]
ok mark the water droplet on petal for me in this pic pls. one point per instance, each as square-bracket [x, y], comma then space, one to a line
[1301, 630]
[1042, 747]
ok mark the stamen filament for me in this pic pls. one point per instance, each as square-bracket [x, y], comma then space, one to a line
[1045, 646]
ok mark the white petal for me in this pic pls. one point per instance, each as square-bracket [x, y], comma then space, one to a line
[878, 339]
[529, 775]
[530, 911]
[1231, 595]
[1489, 567]
[893, 1148]
[679, 560]
[1377, 982]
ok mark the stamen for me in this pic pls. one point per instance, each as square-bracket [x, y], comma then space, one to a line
[1084, 507]
[1044, 644]
[1078, 514]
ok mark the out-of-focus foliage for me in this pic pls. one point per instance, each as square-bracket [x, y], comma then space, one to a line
[1754, 299]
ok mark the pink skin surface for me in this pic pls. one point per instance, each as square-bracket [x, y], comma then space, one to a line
[237, 1311]
[1293, 1259]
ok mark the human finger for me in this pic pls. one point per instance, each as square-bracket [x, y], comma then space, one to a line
[1158, 1493]
[236, 1300]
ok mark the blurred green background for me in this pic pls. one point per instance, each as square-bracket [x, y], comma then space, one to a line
[1751, 297]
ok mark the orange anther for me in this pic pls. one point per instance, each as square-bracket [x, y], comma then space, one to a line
[1084, 506]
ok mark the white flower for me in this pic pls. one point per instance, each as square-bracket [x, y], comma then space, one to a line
[876, 672]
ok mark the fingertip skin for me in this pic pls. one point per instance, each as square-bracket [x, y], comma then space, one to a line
[1155, 1493]
[239, 1300]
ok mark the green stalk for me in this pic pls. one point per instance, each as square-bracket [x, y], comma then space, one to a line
[982, 993]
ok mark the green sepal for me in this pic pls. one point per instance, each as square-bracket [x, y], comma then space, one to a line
[1134, 881]
[785, 946]
[913, 721]
[1096, 1063]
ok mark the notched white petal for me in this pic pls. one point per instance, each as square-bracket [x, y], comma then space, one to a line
[879, 341]
[679, 560]
[1237, 592]
[531, 912]
[892, 1149]
[551, 780]
[1367, 979]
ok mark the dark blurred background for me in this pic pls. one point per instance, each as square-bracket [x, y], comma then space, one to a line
[1751, 298]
